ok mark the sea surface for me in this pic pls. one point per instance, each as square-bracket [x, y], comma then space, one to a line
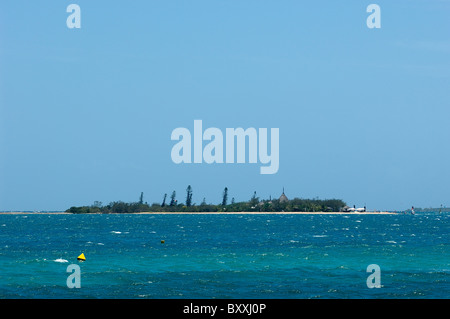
[225, 256]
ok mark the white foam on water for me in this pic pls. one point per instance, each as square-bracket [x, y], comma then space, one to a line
[60, 260]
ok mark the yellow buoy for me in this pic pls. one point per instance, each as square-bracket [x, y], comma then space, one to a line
[162, 241]
[81, 257]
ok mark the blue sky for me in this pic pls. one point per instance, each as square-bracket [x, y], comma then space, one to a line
[86, 114]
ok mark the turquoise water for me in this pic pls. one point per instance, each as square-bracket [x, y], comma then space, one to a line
[225, 256]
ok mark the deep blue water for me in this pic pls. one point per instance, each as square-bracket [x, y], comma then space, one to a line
[225, 256]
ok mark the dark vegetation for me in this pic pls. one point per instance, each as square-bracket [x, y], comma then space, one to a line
[255, 204]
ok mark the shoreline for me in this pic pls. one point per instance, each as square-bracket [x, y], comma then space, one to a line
[206, 213]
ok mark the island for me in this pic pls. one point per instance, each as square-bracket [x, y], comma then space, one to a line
[253, 205]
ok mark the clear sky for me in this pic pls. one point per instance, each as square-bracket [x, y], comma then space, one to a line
[86, 114]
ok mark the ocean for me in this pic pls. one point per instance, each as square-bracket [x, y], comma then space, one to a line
[241, 256]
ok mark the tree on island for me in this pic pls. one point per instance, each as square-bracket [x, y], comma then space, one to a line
[254, 200]
[225, 197]
[173, 201]
[188, 196]
[97, 204]
[164, 200]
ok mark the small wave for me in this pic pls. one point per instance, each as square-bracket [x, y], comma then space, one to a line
[391, 241]
[116, 232]
[320, 235]
[60, 260]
